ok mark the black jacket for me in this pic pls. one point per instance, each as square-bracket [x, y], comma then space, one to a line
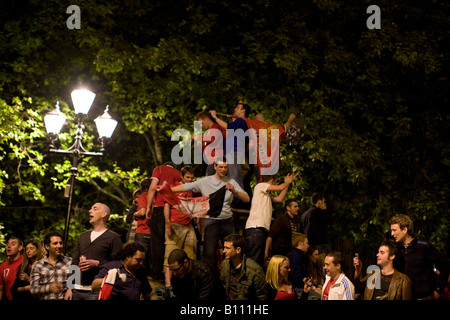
[202, 283]
[313, 223]
[299, 267]
[417, 261]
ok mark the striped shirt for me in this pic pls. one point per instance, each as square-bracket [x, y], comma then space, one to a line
[342, 289]
[43, 274]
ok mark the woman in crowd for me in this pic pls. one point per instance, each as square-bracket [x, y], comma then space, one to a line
[21, 288]
[315, 268]
[278, 285]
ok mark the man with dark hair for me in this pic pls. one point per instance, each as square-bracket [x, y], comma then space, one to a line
[129, 262]
[8, 269]
[393, 285]
[314, 222]
[337, 286]
[193, 279]
[279, 241]
[48, 278]
[236, 156]
[418, 259]
[242, 278]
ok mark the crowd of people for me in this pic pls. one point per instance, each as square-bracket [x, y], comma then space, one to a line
[207, 258]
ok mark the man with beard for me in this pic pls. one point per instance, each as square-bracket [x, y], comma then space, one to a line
[394, 285]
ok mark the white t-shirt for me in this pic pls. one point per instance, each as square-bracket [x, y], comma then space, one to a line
[96, 234]
[261, 209]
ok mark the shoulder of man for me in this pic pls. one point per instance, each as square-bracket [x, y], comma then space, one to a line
[38, 264]
[253, 266]
[400, 275]
[225, 266]
[67, 260]
[85, 234]
[112, 264]
[201, 266]
[112, 233]
[421, 242]
[262, 186]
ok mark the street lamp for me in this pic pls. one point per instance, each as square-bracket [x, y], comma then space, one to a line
[54, 121]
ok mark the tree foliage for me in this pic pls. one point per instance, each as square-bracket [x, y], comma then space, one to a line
[372, 102]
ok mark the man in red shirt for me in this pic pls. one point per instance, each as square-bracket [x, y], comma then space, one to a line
[180, 233]
[208, 123]
[8, 269]
[155, 212]
[143, 223]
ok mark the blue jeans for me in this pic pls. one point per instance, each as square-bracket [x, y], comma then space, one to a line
[215, 230]
[255, 244]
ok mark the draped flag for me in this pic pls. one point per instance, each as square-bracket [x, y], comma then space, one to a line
[108, 283]
[195, 207]
[200, 207]
[267, 147]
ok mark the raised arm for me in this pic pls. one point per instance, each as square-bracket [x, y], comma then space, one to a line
[282, 187]
[220, 122]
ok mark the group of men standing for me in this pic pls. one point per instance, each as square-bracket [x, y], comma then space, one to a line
[173, 244]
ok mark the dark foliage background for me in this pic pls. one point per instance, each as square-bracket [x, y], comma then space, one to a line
[373, 103]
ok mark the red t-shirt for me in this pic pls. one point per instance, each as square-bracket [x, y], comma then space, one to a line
[281, 295]
[327, 289]
[8, 272]
[177, 216]
[143, 224]
[164, 173]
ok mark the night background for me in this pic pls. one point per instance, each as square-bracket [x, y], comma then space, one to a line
[373, 104]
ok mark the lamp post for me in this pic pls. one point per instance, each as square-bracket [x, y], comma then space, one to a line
[54, 121]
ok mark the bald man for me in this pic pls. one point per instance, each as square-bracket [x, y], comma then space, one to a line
[96, 247]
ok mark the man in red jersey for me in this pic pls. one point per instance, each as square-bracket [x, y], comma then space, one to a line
[8, 269]
[155, 212]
